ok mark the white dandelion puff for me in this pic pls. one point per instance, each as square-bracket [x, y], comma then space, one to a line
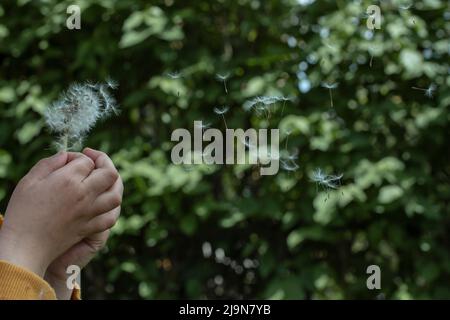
[77, 110]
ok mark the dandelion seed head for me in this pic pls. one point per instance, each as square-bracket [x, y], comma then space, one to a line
[77, 110]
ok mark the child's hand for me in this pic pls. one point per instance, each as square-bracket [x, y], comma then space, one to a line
[84, 251]
[57, 204]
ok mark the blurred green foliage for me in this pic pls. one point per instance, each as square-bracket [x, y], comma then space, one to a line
[216, 232]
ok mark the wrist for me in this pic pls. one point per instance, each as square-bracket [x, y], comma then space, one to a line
[15, 250]
[58, 282]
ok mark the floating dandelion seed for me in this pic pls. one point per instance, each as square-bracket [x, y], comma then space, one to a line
[111, 83]
[288, 161]
[405, 6]
[174, 75]
[429, 92]
[223, 78]
[77, 110]
[204, 126]
[330, 86]
[325, 181]
[264, 103]
[288, 133]
[284, 99]
[327, 44]
[289, 165]
[290, 156]
[221, 111]
[246, 142]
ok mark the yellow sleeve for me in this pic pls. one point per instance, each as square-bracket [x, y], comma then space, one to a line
[76, 294]
[17, 283]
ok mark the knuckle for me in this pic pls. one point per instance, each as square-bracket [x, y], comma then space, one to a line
[87, 163]
[116, 200]
[79, 193]
[106, 223]
[43, 163]
[110, 222]
[67, 181]
[112, 174]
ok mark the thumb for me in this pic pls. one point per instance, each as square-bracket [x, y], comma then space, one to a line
[48, 165]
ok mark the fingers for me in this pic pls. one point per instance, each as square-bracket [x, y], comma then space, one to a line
[104, 221]
[79, 167]
[73, 155]
[109, 200]
[48, 165]
[97, 156]
[105, 173]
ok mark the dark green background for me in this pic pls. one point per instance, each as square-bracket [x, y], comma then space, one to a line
[389, 140]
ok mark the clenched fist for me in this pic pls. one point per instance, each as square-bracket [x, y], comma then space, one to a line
[62, 200]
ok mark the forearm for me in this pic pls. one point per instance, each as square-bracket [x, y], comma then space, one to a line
[17, 252]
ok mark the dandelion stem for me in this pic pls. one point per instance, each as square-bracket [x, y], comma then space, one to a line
[224, 121]
[225, 86]
[65, 140]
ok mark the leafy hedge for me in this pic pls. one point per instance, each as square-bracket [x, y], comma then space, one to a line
[226, 231]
